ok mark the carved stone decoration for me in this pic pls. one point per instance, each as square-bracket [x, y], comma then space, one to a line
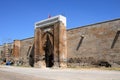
[51, 42]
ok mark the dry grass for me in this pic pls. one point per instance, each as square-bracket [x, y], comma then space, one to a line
[95, 68]
[116, 69]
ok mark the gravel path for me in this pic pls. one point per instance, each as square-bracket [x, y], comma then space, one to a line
[56, 74]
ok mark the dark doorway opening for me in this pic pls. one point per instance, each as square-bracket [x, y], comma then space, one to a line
[49, 56]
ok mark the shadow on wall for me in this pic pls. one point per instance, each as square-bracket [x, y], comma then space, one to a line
[115, 39]
[83, 61]
[30, 55]
[80, 42]
[87, 61]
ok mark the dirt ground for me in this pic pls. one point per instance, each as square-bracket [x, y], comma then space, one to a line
[23, 73]
[16, 76]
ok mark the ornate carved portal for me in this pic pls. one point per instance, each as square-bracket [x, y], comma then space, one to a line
[51, 46]
[50, 42]
[44, 47]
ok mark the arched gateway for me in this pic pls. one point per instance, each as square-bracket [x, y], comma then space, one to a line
[51, 42]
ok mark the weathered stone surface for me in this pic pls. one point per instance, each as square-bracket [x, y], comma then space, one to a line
[62, 45]
[1, 51]
[16, 48]
[25, 54]
[96, 44]
[56, 45]
[38, 47]
[52, 45]
[25, 45]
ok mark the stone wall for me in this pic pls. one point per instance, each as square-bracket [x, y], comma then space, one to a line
[1, 51]
[16, 49]
[94, 43]
[86, 46]
[6, 52]
[25, 48]
[25, 45]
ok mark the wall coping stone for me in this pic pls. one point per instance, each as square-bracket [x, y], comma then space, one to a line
[51, 21]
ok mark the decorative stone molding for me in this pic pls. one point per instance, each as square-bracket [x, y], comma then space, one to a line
[51, 21]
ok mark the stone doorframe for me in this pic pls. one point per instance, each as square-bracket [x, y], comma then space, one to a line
[56, 26]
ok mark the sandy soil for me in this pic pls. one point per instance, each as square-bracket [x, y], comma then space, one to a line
[16, 76]
[20, 73]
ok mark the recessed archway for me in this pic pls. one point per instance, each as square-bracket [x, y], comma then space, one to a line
[49, 49]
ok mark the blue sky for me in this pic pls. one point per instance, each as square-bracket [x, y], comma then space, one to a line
[17, 17]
